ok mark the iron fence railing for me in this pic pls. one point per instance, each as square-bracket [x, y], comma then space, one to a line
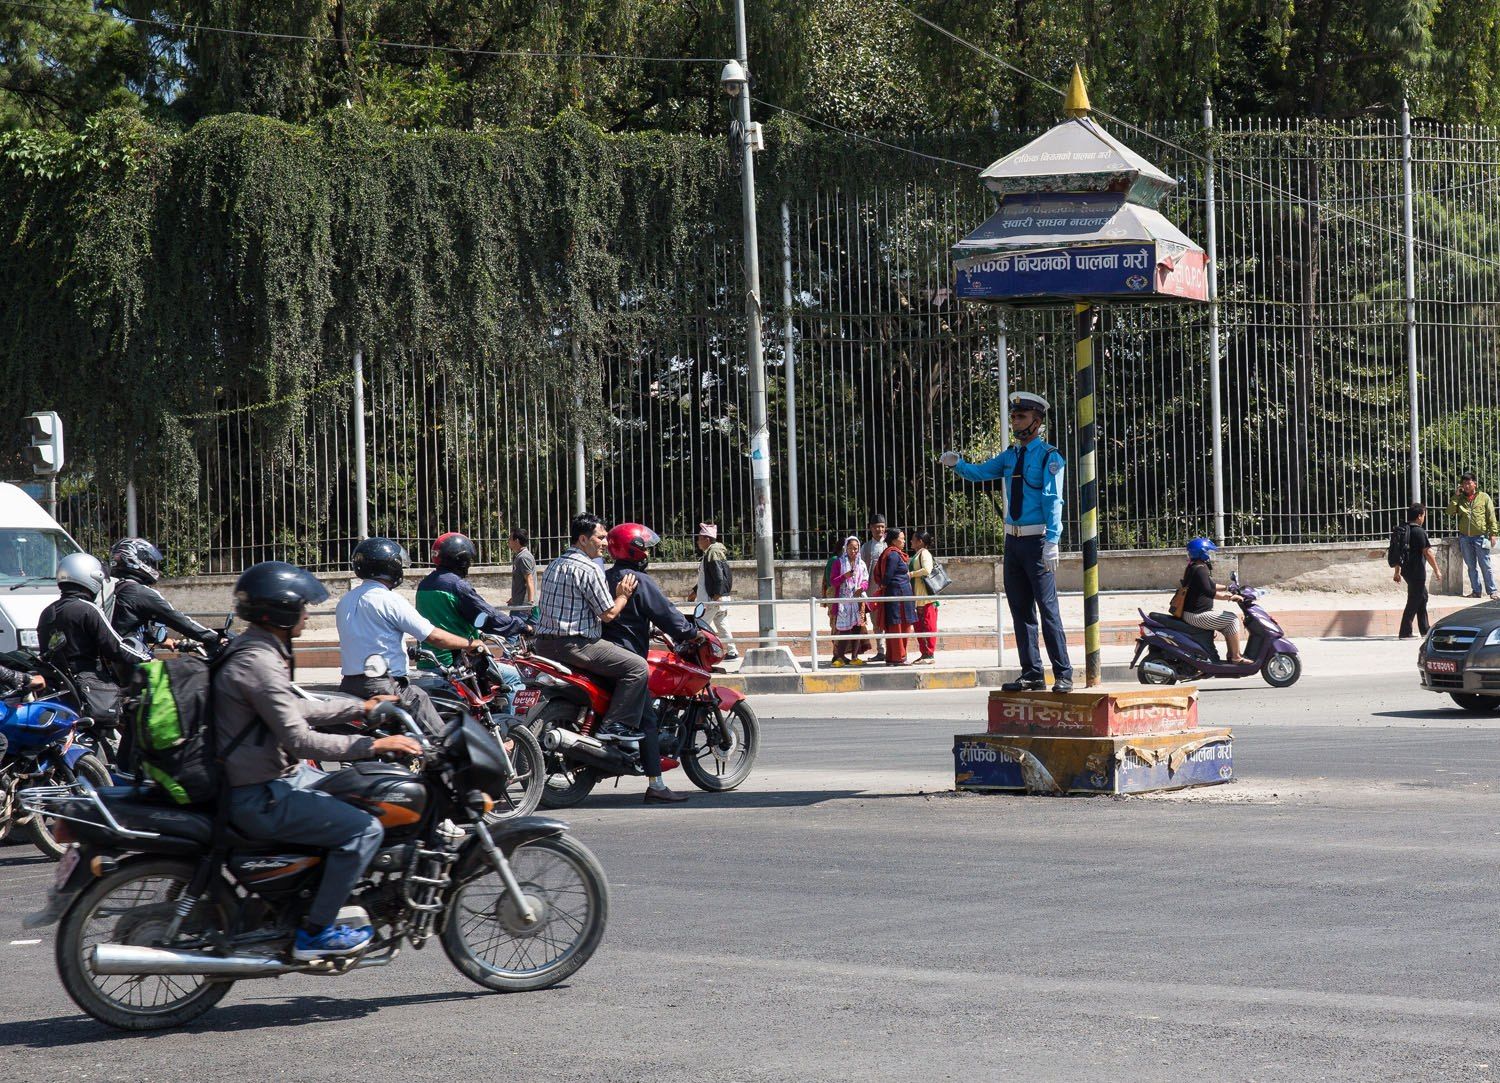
[891, 370]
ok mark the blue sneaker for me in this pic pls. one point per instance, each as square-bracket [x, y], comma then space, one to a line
[334, 940]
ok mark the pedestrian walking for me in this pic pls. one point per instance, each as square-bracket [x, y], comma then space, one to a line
[899, 616]
[870, 553]
[1474, 514]
[1032, 472]
[1411, 555]
[849, 580]
[922, 563]
[715, 581]
[522, 571]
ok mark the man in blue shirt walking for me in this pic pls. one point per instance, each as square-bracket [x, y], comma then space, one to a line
[1031, 471]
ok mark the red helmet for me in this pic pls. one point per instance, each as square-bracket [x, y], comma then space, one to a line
[453, 550]
[632, 541]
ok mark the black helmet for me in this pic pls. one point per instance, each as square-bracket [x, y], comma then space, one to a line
[135, 558]
[380, 558]
[275, 593]
[453, 550]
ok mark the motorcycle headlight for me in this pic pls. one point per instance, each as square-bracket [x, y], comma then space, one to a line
[1491, 640]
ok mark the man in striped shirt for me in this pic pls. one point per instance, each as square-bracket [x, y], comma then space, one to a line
[575, 604]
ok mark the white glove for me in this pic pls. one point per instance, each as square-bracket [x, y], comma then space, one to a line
[949, 459]
[1050, 556]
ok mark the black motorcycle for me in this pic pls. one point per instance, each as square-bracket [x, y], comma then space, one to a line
[163, 907]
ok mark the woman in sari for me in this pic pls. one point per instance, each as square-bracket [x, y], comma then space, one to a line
[849, 578]
[899, 616]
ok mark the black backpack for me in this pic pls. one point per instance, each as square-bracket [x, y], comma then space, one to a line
[1400, 547]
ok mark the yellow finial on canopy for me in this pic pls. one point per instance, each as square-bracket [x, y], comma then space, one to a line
[1077, 102]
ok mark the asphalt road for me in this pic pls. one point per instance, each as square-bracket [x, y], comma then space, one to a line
[1332, 915]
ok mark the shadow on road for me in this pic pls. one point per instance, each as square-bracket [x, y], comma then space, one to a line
[746, 799]
[1443, 714]
[24, 860]
[69, 1030]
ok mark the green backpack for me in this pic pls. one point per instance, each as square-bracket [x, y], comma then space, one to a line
[173, 728]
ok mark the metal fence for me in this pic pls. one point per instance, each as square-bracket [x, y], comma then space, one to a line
[890, 370]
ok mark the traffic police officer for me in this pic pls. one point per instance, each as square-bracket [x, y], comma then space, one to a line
[1031, 471]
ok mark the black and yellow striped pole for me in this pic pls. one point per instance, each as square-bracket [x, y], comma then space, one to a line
[1087, 320]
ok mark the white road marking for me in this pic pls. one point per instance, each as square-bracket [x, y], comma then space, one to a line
[23, 943]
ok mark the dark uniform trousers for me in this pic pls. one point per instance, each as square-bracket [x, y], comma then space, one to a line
[1031, 588]
[409, 697]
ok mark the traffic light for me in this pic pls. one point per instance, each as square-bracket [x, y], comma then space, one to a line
[46, 451]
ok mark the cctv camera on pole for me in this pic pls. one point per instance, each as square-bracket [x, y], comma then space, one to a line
[45, 453]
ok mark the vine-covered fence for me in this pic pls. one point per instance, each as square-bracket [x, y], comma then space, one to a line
[192, 305]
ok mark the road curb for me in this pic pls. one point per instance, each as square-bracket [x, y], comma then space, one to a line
[882, 679]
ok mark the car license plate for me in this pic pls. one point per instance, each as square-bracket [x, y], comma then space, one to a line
[66, 866]
[29, 639]
[526, 699]
[1440, 666]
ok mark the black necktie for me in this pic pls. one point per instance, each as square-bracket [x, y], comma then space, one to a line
[1017, 486]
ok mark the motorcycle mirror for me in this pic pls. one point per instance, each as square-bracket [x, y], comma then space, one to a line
[1234, 577]
[698, 611]
[377, 666]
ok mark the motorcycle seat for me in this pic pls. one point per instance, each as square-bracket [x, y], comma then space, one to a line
[1166, 620]
[148, 810]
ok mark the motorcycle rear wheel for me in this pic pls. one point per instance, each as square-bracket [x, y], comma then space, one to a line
[706, 761]
[523, 792]
[564, 784]
[90, 769]
[486, 939]
[1152, 678]
[133, 906]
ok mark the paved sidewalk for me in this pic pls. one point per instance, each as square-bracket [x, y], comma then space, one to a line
[1340, 656]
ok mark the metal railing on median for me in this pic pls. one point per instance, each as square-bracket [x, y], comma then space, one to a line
[813, 637]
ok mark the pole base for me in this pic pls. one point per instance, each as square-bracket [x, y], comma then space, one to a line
[770, 660]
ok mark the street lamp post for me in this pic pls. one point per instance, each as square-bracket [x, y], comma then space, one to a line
[735, 81]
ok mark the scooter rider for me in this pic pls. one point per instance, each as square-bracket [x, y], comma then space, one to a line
[74, 634]
[135, 565]
[1198, 602]
[630, 546]
[1032, 471]
[449, 601]
[374, 620]
[271, 795]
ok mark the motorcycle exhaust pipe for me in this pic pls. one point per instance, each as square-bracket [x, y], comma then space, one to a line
[584, 749]
[128, 959]
[1158, 669]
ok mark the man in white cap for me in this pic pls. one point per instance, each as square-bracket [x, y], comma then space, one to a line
[715, 581]
[1031, 472]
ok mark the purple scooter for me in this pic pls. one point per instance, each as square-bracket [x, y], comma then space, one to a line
[1177, 651]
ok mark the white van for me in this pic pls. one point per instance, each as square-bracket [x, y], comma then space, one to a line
[31, 545]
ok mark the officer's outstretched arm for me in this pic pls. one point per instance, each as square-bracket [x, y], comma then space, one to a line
[985, 471]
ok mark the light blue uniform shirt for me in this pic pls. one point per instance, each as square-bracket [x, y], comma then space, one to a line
[374, 619]
[1042, 473]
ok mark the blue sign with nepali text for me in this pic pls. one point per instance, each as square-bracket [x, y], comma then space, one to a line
[1094, 271]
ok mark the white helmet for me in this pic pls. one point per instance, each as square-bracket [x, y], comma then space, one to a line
[83, 569]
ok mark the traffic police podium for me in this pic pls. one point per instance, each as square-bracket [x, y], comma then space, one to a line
[1093, 741]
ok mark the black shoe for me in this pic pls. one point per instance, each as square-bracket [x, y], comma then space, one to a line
[1024, 684]
[1062, 684]
[878, 657]
[664, 796]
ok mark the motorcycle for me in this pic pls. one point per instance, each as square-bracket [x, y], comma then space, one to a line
[38, 746]
[469, 688]
[163, 908]
[1177, 651]
[708, 729]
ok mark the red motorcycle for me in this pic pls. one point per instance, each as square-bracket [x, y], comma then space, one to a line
[710, 730]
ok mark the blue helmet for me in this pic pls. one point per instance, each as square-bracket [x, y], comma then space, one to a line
[1201, 549]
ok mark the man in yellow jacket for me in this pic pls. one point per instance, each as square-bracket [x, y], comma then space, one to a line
[1473, 513]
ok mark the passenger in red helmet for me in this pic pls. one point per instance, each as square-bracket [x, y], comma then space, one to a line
[630, 544]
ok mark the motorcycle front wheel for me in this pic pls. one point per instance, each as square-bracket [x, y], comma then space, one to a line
[134, 905]
[523, 791]
[90, 769]
[487, 938]
[721, 747]
[1282, 670]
